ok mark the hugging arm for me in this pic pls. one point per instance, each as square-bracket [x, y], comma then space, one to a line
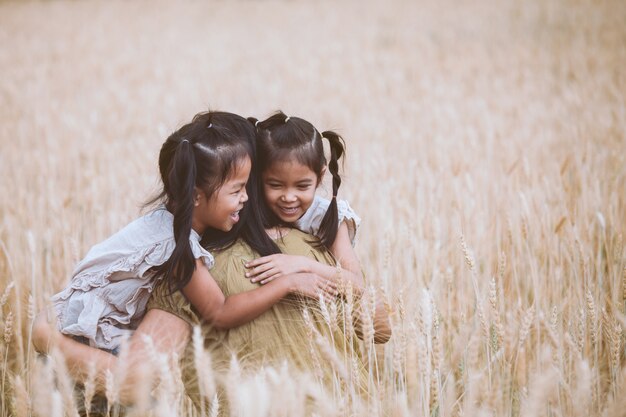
[267, 268]
[169, 334]
[270, 267]
[227, 312]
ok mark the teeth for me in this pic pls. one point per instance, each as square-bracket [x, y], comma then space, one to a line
[289, 210]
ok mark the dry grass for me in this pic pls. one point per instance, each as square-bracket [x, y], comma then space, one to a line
[486, 155]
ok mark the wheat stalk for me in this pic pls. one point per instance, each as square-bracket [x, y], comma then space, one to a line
[202, 363]
[21, 398]
[5, 294]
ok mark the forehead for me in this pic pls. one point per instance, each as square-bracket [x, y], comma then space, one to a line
[292, 170]
[240, 170]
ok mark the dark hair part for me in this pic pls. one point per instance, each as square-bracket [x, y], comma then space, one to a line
[282, 138]
[204, 154]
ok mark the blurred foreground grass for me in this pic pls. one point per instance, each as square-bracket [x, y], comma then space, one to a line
[503, 124]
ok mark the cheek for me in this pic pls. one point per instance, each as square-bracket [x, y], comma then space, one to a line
[310, 194]
[269, 194]
[222, 203]
[307, 198]
[233, 201]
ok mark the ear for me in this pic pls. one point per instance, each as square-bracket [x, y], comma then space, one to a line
[197, 193]
[321, 177]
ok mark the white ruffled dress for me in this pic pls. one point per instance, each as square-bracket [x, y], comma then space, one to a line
[311, 220]
[107, 296]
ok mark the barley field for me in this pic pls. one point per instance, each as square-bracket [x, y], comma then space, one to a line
[486, 154]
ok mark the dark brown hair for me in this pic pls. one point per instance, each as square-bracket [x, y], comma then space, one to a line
[281, 138]
[204, 153]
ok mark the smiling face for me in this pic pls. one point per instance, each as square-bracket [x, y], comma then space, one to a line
[221, 210]
[289, 189]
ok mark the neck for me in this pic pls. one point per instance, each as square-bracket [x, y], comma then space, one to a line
[197, 227]
[277, 232]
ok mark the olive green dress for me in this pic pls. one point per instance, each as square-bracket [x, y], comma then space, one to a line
[320, 342]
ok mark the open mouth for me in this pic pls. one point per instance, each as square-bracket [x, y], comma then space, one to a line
[235, 216]
[289, 211]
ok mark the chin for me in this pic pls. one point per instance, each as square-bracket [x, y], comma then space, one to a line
[225, 228]
[281, 216]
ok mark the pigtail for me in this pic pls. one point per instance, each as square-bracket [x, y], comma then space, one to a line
[253, 231]
[177, 270]
[330, 222]
[255, 122]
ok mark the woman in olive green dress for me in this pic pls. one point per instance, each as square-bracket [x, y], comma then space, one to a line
[316, 337]
[312, 336]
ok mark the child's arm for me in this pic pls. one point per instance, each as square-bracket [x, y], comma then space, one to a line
[270, 267]
[227, 312]
[344, 252]
[380, 319]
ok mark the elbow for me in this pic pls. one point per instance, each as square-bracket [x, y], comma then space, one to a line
[381, 330]
[383, 334]
[358, 285]
[382, 327]
[220, 326]
[217, 321]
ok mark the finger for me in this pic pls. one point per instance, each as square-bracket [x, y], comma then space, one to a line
[330, 284]
[272, 278]
[255, 271]
[328, 293]
[265, 275]
[262, 275]
[258, 261]
[324, 289]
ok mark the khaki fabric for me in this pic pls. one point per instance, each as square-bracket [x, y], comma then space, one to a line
[280, 334]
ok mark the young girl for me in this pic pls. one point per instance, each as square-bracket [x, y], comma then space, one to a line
[291, 163]
[204, 167]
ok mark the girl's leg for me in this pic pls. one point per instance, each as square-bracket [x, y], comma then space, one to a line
[78, 356]
[168, 334]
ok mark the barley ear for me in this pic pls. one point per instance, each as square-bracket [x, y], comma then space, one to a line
[21, 399]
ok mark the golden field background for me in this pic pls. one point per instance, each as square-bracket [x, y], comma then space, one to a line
[486, 156]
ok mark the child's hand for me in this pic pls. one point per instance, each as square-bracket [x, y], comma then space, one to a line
[270, 267]
[312, 286]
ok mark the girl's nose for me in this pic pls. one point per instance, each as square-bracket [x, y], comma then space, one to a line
[288, 197]
[244, 196]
